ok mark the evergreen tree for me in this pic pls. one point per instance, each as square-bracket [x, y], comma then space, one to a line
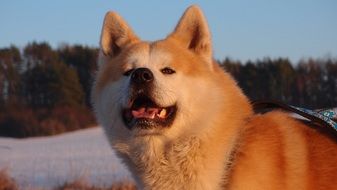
[10, 64]
[39, 53]
[83, 59]
[51, 85]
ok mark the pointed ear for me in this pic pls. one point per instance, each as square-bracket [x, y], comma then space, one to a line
[193, 33]
[116, 34]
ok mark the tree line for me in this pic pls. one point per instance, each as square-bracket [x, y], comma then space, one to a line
[311, 83]
[46, 91]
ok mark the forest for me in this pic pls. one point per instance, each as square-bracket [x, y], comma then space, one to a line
[46, 91]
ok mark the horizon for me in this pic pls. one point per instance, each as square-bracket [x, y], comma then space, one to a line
[241, 30]
[254, 61]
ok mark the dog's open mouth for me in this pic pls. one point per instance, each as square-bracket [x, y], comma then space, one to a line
[145, 113]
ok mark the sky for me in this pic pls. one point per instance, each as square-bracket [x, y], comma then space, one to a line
[241, 30]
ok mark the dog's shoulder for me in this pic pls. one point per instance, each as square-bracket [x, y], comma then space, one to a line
[281, 152]
[281, 127]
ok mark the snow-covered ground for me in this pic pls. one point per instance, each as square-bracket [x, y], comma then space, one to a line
[46, 162]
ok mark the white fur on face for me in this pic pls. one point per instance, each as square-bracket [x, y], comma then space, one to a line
[108, 108]
[113, 97]
[168, 90]
[155, 60]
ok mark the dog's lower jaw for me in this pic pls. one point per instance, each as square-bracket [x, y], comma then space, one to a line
[182, 165]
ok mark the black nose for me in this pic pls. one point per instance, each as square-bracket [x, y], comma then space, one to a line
[142, 76]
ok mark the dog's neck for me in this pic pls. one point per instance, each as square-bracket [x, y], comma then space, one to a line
[189, 163]
[198, 158]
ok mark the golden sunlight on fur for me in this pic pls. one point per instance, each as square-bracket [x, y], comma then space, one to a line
[178, 121]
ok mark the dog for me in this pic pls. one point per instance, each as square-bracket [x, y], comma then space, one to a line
[179, 121]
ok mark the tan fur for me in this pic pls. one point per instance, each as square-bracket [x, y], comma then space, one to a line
[215, 141]
[280, 153]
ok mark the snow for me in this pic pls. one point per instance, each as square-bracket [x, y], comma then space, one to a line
[46, 162]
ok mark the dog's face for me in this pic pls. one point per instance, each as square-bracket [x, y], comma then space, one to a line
[150, 89]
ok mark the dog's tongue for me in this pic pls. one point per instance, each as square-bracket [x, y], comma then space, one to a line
[148, 113]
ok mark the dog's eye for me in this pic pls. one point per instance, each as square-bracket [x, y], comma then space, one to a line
[167, 71]
[128, 72]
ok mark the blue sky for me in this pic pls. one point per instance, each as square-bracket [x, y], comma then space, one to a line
[241, 30]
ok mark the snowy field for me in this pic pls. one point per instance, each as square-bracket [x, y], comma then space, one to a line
[46, 162]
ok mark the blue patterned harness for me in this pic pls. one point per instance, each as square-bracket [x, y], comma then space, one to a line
[324, 117]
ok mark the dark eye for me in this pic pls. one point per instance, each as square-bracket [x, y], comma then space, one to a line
[128, 72]
[167, 71]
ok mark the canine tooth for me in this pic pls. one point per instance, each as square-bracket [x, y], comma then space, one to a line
[162, 113]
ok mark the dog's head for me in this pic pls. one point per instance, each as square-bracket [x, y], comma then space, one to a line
[154, 89]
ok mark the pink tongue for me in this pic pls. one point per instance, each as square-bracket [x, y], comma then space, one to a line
[148, 113]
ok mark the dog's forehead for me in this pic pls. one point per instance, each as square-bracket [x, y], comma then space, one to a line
[147, 55]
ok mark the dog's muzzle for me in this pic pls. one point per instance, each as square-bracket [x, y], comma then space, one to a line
[142, 111]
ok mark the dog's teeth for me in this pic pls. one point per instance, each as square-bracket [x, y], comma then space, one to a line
[162, 113]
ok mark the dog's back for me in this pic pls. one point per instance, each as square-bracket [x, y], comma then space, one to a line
[278, 152]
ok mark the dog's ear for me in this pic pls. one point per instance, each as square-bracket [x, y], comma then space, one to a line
[193, 33]
[116, 34]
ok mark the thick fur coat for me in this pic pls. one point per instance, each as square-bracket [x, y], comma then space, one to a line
[179, 121]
